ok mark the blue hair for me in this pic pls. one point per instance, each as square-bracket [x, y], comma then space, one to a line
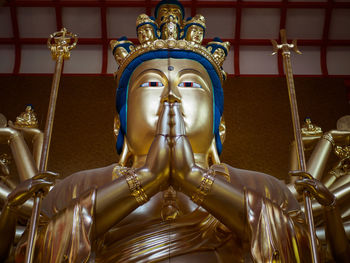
[124, 45]
[216, 46]
[123, 87]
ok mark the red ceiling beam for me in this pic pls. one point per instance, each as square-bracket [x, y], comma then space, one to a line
[237, 38]
[325, 34]
[15, 30]
[58, 11]
[283, 21]
[104, 39]
[198, 4]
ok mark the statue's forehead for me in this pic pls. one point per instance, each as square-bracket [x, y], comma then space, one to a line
[170, 65]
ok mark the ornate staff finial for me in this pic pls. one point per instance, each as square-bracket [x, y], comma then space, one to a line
[285, 47]
[61, 43]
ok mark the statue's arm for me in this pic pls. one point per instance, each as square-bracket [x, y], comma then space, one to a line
[10, 211]
[335, 232]
[23, 158]
[222, 199]
[133, 188]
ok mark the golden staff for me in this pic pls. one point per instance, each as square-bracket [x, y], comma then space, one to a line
[60, 43]
[285, 47]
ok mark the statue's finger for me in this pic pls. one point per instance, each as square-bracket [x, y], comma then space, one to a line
[300, 174]
[163, 127]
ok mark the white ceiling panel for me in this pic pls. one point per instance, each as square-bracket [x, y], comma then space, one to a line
[7, 61]
[36, 21]
[338, 60]
[122, 21]
[305, 23]
[84, 21]
[229, 63]
[220, 22]
[84, 59]
[5, 22]
[260, 23]
[257, 60]
[340, 24]
[36, 59]
[308, 63]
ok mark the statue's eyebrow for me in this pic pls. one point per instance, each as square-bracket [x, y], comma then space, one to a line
[153, 70]
[186, 71]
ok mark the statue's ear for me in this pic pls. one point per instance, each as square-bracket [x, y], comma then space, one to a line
[125, 154]
[222, 129]
[116, 126]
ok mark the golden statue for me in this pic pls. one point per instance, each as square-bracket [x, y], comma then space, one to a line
[169, 197]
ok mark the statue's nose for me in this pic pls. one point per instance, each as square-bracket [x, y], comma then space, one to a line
[172, 95]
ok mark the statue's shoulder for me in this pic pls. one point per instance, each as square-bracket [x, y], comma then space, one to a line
[73, 186]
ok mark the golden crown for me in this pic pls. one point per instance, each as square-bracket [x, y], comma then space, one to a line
[168, 31]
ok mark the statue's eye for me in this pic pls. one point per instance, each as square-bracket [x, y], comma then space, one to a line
[189, 84]
[152, 84]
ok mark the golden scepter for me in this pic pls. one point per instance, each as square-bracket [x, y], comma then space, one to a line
[60, 43]
[285, 47]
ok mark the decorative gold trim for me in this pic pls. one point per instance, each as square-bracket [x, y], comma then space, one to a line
[204, 187]
[135, 188]
[170, 44]
[327, 136]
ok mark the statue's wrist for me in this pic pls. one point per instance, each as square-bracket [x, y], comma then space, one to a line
[203, 187]
[135, 186]
[329, 137]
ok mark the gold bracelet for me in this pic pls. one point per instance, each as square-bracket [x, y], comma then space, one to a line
[333, 173]
[204, 187]
[327, 136]
[135, 188]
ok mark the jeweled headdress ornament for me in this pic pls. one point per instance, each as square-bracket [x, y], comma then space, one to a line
[168, 37]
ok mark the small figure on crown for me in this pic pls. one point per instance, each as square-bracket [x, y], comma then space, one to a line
[194, 29]
[121, 49]
[219, 49]
[169, 15]
[146, 29]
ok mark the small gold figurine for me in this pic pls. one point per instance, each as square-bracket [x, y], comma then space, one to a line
[219, 49]
[121, 49]
[27, 119]
[169, 15]
[309, 129]
[146, 28]
[194, 29]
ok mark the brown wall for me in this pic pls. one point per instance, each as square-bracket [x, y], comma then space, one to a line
[256, 112]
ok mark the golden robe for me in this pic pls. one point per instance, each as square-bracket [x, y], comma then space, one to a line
[275, 226]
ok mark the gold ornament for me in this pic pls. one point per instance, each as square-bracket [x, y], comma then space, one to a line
[27, 119]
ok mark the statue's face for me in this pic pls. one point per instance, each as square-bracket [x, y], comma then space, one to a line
[195, 34]
[169, 10]
[145, 33]
[152, 81]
